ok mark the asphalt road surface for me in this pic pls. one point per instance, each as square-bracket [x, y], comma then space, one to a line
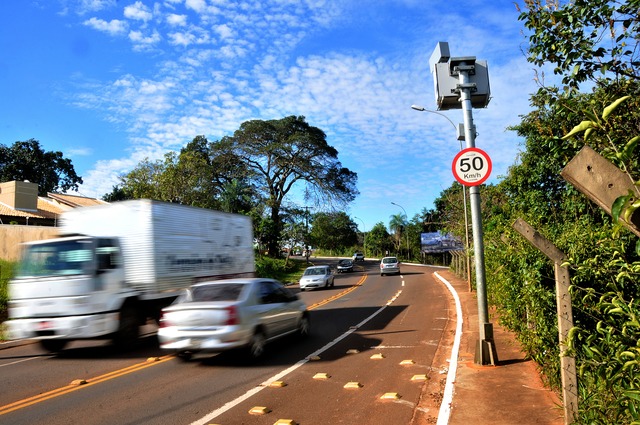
[372, 342]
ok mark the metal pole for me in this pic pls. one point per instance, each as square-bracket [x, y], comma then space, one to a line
[485, 350]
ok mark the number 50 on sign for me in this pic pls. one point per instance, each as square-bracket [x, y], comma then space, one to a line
[471, 167]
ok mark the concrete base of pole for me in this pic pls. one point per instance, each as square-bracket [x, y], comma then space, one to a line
[486, 353]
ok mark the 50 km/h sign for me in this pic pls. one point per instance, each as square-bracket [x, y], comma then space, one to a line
[471, 167]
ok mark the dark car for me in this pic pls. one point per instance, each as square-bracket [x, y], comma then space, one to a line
[345, 266]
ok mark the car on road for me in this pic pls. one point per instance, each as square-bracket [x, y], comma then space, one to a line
[358, 256]
[230, 314]
[316, 277]
[389, 265]
[344, 266]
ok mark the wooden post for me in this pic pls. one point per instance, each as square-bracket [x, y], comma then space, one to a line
[565, 316]
[601, 181]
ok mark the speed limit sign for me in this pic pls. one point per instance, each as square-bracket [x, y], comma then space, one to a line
[471, 167]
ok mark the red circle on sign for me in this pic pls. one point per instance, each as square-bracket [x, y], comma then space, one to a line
[471, 167]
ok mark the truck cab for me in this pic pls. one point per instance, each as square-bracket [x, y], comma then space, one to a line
[66, 288]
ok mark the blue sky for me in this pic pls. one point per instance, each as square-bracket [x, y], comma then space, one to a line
[112, 82]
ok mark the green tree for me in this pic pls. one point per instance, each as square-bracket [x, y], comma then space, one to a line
[397, 223]
[333, 231]
[279, 155]
[28, 161]
[378, 240]
[584, 39]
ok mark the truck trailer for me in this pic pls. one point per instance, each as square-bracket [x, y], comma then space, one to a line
[115, 266]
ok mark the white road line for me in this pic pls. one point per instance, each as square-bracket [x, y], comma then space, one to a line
[205, 420]
[447, 398]
[19, 361]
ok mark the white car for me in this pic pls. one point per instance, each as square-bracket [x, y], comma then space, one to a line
[389, 265]
[228, 314]
[316, 277]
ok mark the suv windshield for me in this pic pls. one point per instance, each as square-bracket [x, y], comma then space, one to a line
[56, 258]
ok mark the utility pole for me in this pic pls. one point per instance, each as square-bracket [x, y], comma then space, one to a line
[463, 83]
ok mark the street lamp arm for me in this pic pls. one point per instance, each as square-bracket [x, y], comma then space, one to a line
[422, 109]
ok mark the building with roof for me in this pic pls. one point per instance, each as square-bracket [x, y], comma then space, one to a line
[25, 216]
[20, 204]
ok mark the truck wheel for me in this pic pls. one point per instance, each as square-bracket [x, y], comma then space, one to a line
[128, 329]
[53, 345]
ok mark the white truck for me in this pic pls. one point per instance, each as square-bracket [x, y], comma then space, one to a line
[115, 266]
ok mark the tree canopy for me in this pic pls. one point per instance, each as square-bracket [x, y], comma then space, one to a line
[26, 160]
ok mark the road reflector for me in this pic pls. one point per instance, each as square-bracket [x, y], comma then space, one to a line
[390, 396]
[321, 376]
[285, 422]
[78, 382]
[278, 384]
[354, 385]
[353, 351]
[407, 362]
[153, 359]
[377, 356]
[259, 410]
[314, 358]
[419, 378]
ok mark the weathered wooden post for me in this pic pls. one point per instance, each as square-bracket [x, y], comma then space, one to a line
[565, 316]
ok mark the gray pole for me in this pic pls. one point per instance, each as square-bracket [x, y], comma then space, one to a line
[485, 350]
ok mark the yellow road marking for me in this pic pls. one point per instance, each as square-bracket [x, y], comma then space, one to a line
[340, 295]
[74, 386]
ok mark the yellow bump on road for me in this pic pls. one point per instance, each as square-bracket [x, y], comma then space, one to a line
[259, 410]
[285, 422]
[419, 378]
[390, 396]
[314, 358]
[353, 351]
[407, 362]
[353, 385]
[377, 356]
[153, 359]
[277, 384]
[321, 376]
[77, 382]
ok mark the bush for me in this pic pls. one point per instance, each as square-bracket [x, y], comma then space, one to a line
[285, 270]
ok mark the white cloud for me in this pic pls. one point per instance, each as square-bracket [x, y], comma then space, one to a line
[113, 27]
[142, 41]
[138, 11]
[176, 20]
[197, 5]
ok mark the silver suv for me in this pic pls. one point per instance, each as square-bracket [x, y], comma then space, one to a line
[358, 256]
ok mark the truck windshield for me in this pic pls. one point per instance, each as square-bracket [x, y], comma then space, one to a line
[56, 258]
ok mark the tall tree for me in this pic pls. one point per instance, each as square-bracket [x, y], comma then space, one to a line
[28, 161]
[280, 154]
[333, 231]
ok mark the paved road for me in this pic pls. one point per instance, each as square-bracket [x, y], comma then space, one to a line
[375, 335]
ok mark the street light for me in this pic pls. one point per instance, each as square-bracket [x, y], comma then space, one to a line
[407, 232]
[364, 237]
[460, 136]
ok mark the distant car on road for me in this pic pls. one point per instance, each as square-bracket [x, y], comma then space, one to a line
[228, 314]
[389, 265]
[358, 256]
[345, 266]
[316, 277]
